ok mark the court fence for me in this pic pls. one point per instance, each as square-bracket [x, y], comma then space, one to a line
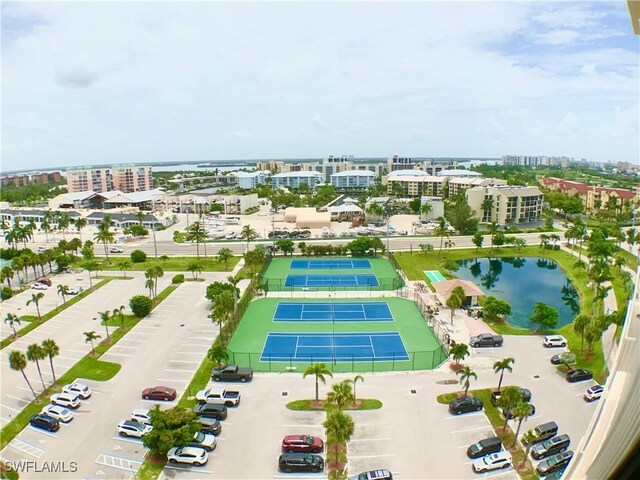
[429, 314]
[280, 285]
[396, 265]
[421, 360]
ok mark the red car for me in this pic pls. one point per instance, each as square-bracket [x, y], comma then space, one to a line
[159, 393]
[46, 281]
[302, 443]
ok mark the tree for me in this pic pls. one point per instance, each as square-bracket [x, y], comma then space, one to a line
[64, 291]
[51, 350]
[486, 206]
[567, 359]
[171, 428]
[354, 382]
[456, 300]
[341, 394]
[87, 250]
[6, 274]
[458, 351]
[520, 412]
[224, 255]
[441, 230]
[196, 233]
[285, 245]
[528, 440]
[18, 362]
[89, 337]
[544, 316]
[214, 289]
[425, 209]
[140, 305]
[339, 427]
[104, 318]
[218, 354]
[492, 230]
[579, 326]
[90, 266]
[466, 374]
[12, 319]
[35, 353]
[247, 233]
[119, 311]
[478, 240]
[124, 266]
[426, 248]
[502, 365]
[319, 370]
[510, 397]
[495, 308]
[460, 215]
[234, 281]
[195, 269]
[414, 205]
[105, 236]
[222, 308]
[80, 224]
[35, 299]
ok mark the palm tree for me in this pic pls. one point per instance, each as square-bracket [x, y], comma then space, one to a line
[502, 365]
[35, 353]
[528, 440]
[458, 351]
[104, 318]
[90, 337]
[511, 396]
[455, 300]
[218, 354]
[158, 273]
[341, 395]
[18, 362]
[195, 269]
[12, 319]
[486, 206]
[580, 324]
[35, 299]
[339, 427]
[124, 266]
[150, 283]
[234, 281]
[64, 291]
[6, 274]
[247, 233]
[425, 209]
[466, 374]
[90, 266]
[104, 235]
[80, 224]
[440, 230]
[117, 311]
[64, 220]
[521, 412]
[224, 255]
[197, 233]
[492, 230]
[51, 349]
[222, 309]
[319, 370]
[353, 382]
[46, 224]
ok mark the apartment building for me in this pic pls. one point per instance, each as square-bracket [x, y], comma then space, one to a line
[593, 197]
[270, 166]
[353, 179]
[457, 184]
[25, 179]
[434, 168]
[249, 180]
[400, 163]
[296, 179]
[87, 178]
[415, 183]
[131, 178]
[505, 204]
[536, 160]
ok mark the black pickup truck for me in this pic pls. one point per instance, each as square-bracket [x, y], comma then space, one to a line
[231, 373]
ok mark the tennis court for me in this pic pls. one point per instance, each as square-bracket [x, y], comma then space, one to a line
[329, 264]
[434, 276]
[359, 280]
[332, 312]
[337, 347]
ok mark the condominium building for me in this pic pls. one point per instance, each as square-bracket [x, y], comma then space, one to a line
[592, 196]
[400, 163]
[23, 179]
[87, 178]
[249, 180]
[353, 179]
[329, 166]
[296, 179]
[271, 166]
[536, 160]
[505, 204]
[434, 168]
[414, 183]
[457, 184]
[131, 178]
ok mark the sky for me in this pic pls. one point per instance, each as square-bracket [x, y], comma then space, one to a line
[115, 82]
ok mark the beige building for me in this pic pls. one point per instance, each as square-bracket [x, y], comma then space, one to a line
[508, 204]
[132, 178]
[456, 184]
[85, 179]
[445, 289]
[415, 183]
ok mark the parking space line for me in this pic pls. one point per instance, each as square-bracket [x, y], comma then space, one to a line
[186, 361]
[130, 440]
[173, 380]
[371, 439]
[499, 474]
[197, 345]
[10, 408]
[372, 456]
[468, 415]
[119, 354]
[17, 398]
[120, 463]
[190, 353]
[41, 431]
[472, 429]
[26, 447]
[187, 469]
[176, 370]
[304, 425]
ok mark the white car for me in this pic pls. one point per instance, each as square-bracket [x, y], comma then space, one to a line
[192, 455]
[554, 341]
[493, 461]
[59, 413]
[116, 250]
[74, 290]
[204, 440]
[39, 286]
[131, 428]
[41, 248]
[141, 415]
[79, 389]
[69, 400]
[593, 393]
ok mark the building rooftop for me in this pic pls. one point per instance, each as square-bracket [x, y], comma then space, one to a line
[354, 173]
[298, 174]
[403, 173]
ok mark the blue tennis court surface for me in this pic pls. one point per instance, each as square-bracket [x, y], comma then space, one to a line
[364, 280]
[327, 264]
[339, 347]
[328, 312]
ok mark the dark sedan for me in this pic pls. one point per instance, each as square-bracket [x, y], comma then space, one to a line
[159, 393]
[578, 375]
[211, 410]
[45, 422]
[465, 405]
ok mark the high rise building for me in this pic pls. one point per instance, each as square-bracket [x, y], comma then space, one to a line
[132, 178]
[126, 178]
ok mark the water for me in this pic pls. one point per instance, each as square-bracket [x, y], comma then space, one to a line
[4, 263]
[523, 282]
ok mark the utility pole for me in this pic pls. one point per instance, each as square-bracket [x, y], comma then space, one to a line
[155, 245]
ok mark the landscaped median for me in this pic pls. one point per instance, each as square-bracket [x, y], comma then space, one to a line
[33, 321]
[497, 422]
[88, 367]
[168, 264]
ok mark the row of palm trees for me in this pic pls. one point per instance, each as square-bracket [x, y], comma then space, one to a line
[197, 233]
[51, 221]
[35, 352]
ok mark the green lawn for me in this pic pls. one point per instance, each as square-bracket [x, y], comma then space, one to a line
[173, 264]
[307, 405]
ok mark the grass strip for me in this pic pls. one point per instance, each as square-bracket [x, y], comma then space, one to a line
[169, 264]
[305, 405]
[49, 315]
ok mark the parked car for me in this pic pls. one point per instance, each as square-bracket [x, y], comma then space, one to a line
[191, 455]
[74, 290]
[509, 415]
[484, 447]
[554, 341]
[300, 462]
[141, 415]
[39, 286]
[486, 340]
[159, 393]
[231, 373]
[378, 474]
[45, 422]
[557, 359]
[210, 425]
[41, 248]
[465, 405]
[542, 432]
[578, 375]
[212, 410]
[116, 250]
[526, 395]
[79, 389]
[59, 413]
[493, 461]
[204, 440]
[556, 462]
[302, 443]
[46, 281]
[557, 475]
[593, 393]
[219, 395]
[131, 428]
[69, 400]
[551, 446]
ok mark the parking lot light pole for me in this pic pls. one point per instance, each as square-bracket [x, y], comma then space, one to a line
[155, 245]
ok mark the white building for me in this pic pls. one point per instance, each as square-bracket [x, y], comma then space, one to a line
[437, 208]
[352, 179]
[347, 211]
[505, 204]
[414, 183]
[249, 180]
[295, 179]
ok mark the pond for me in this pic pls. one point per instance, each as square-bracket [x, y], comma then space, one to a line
[523, 282]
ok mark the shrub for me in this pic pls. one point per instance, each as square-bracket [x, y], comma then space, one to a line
[138, 256]
[137, 230]
[6, 293]
[140, 305]
[178, 278]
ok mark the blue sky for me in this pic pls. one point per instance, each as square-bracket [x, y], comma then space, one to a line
[104, 82]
